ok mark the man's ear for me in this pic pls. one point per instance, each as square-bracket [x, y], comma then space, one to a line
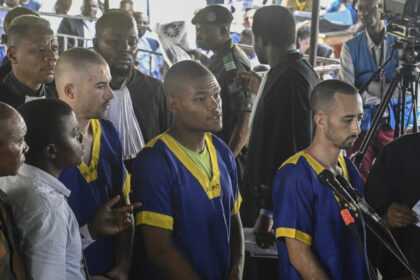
[172, 104]
[11, 54]
[321, 120]
[69, 90]
[50, 151]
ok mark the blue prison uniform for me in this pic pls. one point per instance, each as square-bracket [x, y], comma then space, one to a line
[178, 196]
[308, 211]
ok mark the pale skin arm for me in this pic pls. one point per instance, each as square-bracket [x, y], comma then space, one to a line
[304, 261]
[237, 248]
[170, 263]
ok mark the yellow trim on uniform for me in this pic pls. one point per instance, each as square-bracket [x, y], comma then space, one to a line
[152, 142]
[90, 173]
[155, 219]
[126, 188]
[237, 205]
[211, 187]
[294, 233]
[343, 166]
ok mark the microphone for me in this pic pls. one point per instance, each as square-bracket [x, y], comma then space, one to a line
[360, 201]
[327, 178]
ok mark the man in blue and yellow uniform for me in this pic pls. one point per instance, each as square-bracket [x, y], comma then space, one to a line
[82, 80]
[186, 180]
[312, 239]
[213, 33]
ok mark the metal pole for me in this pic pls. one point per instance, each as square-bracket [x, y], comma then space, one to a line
[314, 32]
[148, 8]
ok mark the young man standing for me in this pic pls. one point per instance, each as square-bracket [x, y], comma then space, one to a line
[187, 181]
[82, 80]
[313, 241]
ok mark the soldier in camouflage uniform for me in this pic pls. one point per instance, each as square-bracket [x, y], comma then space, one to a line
[213, 33]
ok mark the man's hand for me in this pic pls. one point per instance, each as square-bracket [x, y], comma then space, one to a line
[251, 79]
[110, 221]
[200, 56]
[118, 273]
[263, 231]
[399, 215]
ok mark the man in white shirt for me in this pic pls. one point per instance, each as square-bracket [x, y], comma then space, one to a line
[51, 241]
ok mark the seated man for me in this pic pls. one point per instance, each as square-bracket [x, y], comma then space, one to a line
[150, 64]
[187, 181]
[82, 80]
[12, 154]
[392, 190]
[313, 241]
[79, 27]
[32, 51]
[30, 4]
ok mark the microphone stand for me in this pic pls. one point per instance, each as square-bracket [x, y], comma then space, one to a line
[327, 178]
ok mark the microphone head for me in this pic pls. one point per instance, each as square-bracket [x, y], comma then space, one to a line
[326, 176]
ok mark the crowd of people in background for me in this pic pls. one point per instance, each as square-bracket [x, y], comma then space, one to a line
[119, 162]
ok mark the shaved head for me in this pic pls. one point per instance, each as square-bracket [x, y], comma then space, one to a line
[71, 64]
[23, 25]
[322, 97]
[12, 144]
[180, 73]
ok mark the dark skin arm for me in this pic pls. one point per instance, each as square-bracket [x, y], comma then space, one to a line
[304, 261]
[240, 134]
[399, 215]
[124, 244]
[165, 256]
[237, 248]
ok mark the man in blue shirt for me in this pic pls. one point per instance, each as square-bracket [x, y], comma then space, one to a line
[30, 4]
[187, 181]
[312, 239]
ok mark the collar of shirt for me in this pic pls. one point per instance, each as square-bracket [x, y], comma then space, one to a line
[11, 82]
[370, 42]
[47, 179]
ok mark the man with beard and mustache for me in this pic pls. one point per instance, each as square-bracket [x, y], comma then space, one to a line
[82, 79]
[360, 57]
[32, 51]
[187, 181]
[312, 239]
[138, 109]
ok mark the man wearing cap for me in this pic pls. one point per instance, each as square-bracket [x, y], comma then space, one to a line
[213, 33]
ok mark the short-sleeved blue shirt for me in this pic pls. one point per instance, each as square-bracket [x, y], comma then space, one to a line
[307, 210]
[178, 196]
[94, 184]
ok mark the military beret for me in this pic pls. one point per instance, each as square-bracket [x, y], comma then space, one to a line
[213, 14]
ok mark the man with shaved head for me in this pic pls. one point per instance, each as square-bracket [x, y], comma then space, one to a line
[138, 110]
[82, 80]
[187, 181]
[313, 241]
[32, 51]
[12, 154]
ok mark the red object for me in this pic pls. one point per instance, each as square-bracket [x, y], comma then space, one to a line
[347, 217]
